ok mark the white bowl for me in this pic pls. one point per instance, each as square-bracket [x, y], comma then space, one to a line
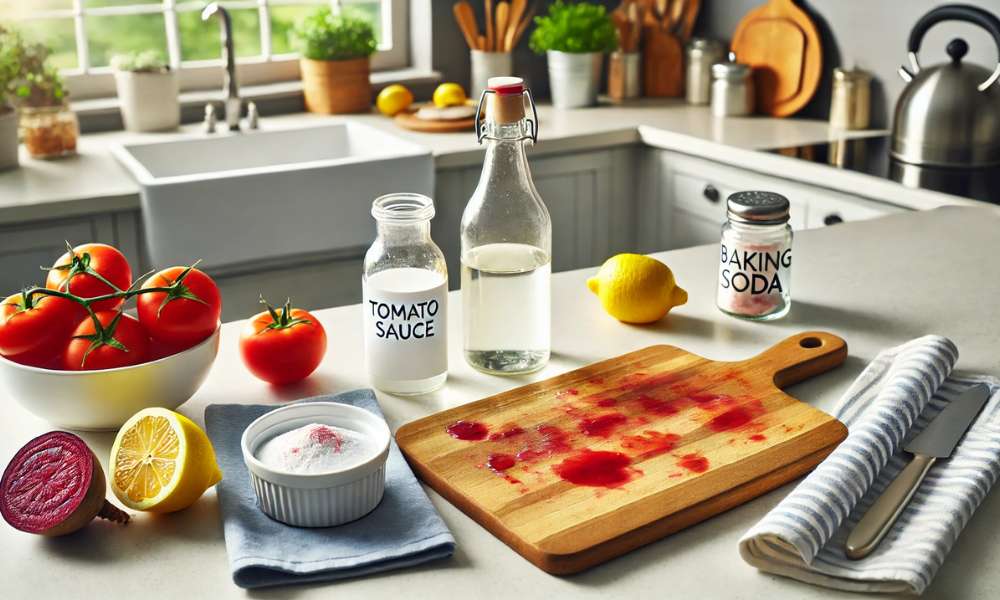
[104, 400]
[323, 499]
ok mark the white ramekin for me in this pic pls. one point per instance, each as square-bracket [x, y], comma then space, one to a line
[324, 499]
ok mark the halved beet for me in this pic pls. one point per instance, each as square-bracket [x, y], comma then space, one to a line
[54, 485]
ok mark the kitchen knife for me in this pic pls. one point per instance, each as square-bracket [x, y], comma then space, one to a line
[937, 440]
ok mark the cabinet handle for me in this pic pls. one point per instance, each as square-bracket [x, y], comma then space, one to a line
[832, 219]
[711, 193]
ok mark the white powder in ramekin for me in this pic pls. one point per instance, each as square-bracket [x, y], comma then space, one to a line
[315, 448]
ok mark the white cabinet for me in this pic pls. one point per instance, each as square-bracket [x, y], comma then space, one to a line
[590, 197]
[684, 200]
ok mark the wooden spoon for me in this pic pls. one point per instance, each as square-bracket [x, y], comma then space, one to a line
[503, 14]
[467, 23]
[490, 32]
[517, 8]
[525, 21]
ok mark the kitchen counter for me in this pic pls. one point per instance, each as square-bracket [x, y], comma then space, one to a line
[94, 182]
[845, 281]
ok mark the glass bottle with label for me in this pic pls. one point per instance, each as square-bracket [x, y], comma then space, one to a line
[405, 286]
[755, 257]
[506, 243]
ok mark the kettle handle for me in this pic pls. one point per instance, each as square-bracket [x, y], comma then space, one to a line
[953, 12]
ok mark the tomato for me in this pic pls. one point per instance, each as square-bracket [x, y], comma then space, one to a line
[81, 273]
[283, 346]
[184, 316]
[121, 342]
[35, 335]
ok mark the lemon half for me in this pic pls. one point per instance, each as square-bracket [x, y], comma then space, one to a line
[161, 462]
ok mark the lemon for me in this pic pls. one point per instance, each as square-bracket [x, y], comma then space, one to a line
[449, 94]
[636, 289]
[161, 462]
[394, 99]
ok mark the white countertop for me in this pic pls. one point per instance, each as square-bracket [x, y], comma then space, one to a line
[94, 182]
[875, 283]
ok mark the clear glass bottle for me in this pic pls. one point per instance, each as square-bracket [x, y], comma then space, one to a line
[755, 257]
[506, 244]
[49, 131]
[405, 287]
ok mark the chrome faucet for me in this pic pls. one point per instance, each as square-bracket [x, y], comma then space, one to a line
[230, 88]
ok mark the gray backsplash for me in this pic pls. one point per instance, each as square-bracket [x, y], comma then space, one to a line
[870, 34]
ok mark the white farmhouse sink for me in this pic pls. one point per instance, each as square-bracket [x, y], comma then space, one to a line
[232, 199]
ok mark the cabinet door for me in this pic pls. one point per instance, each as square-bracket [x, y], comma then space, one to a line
[24, 248]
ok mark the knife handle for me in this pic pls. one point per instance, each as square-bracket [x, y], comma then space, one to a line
[879, 519]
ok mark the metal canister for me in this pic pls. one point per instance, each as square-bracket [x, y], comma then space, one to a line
[732, 88]
[701, 55]
[850, 101]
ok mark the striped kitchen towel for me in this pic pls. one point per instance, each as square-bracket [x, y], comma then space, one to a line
[894, 398]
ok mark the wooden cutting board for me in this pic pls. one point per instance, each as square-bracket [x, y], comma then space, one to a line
[578, 469]
[782, 44]
[662, 63]
[408, 120]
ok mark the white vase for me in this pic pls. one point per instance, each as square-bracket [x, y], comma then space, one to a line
[8, 139]
[574, 78]
[148, 101]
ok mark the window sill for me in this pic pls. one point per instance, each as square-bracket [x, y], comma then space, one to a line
[102, 114]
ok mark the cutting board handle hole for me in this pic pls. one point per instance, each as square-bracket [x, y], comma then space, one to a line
[811, 342]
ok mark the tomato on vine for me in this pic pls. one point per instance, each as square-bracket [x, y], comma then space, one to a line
[186, 314]
[115, 340]
[89, 271]
[35, 333]
[282, 346]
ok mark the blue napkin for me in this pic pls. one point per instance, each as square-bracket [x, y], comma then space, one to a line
[404, 529]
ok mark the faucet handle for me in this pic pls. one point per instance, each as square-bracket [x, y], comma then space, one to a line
[210, 118]
[253, 117]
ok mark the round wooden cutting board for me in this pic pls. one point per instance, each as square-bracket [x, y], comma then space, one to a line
[782, 44]
[408, 120]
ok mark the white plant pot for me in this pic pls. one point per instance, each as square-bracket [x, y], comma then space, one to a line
[8, 140]
[148, 101]
[574, 78]
[486, 65]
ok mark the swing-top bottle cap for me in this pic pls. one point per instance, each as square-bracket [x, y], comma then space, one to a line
[506, 86]
[506, 103]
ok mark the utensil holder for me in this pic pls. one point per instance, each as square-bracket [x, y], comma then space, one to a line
[623, 75]
[486, 65]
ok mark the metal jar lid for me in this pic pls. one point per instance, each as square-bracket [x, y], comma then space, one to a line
[704, 45]
[730, 69]
[758, 208]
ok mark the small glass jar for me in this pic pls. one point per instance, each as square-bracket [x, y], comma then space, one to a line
[49, 131]
[405, 288]
[755, 258]
[701, 55]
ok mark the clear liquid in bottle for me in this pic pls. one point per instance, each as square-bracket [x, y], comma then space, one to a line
[506, 296]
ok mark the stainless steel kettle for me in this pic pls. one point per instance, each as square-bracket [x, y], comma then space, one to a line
[949, 114]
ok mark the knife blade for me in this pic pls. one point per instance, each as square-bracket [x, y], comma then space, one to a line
[937, 440]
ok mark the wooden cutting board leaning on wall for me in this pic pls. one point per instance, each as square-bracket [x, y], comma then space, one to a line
[782, 44]
[578, 469]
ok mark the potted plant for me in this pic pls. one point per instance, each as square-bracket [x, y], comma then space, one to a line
[47, 126]
[574, 36]
[147, 92]
[10, 68]
[335, 52]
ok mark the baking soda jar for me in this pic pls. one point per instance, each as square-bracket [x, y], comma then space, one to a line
[755, 257]
[405, 305]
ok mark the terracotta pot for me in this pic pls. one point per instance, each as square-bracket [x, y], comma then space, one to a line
[336, 86]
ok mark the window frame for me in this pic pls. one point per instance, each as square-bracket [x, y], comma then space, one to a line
[87, 82]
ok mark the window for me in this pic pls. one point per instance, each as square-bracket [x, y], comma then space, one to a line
[85, 34]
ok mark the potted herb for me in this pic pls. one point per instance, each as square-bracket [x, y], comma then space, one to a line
[10, 43]
[335, 53]
[574, 36]
[147, 92]
[48, 128]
